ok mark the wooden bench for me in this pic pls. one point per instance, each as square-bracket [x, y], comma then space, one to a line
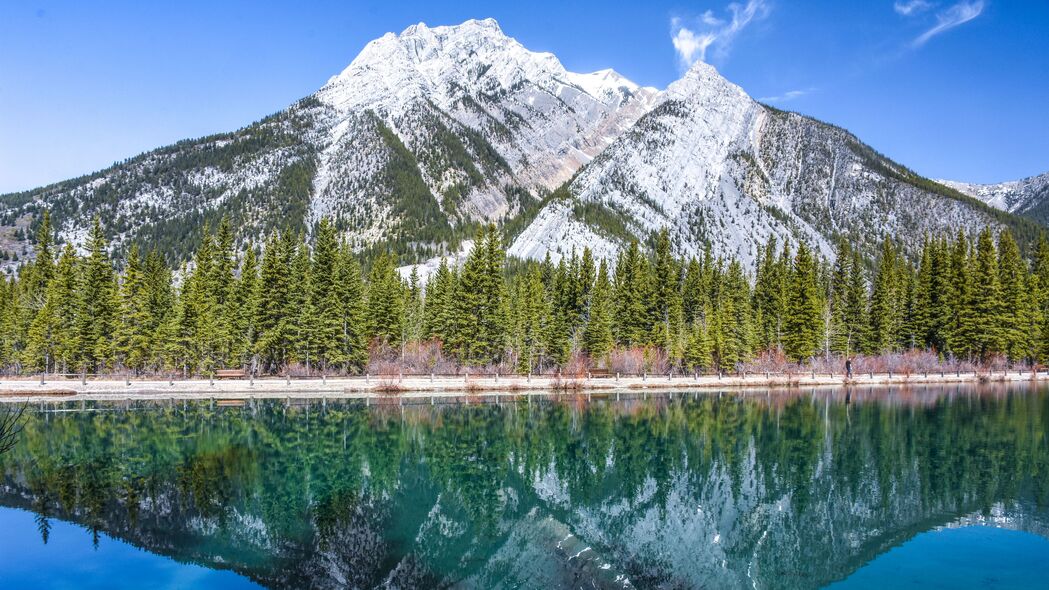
[230, 374]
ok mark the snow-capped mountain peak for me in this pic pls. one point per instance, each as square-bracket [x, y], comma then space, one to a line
[432, 128]
[475, 56]
[536, 122]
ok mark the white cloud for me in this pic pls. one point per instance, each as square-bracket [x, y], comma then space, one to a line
[692, 43]
[911, 7]
[946, 20]
[710, 20]
[787, 96]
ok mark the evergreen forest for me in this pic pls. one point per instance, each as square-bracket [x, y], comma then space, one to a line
[315, 306]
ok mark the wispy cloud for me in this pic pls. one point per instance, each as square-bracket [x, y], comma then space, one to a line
[710, 30]
[911, 7]
[788, 95]
[946, 20]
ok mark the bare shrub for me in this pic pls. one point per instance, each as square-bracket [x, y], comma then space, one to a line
[638, 360]
[770, 361]
[577, 365]
[628, 361]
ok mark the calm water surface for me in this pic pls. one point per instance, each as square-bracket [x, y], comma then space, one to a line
[922, 487]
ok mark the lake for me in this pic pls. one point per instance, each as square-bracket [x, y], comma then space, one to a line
[905, 487]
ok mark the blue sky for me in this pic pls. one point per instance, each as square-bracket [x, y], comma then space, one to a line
[951, 89]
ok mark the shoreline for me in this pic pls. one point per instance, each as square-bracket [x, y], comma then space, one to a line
[22, 390]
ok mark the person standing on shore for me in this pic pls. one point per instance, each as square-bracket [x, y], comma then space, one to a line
[848, 368]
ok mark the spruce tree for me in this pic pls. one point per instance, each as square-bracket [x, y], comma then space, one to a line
[803, 324]
[888, 296]
[437, 302]
[735, 329]
[597, 336]
[304, 323]
[322, 296]
[52, 332]
[385, 301]
[632, 298]
[534, 313]
[981, 324]
[273, 304]
[1015, 306]
[134, 332]
[958, 288]
[243, 317]
[96, 314]
[769, 301]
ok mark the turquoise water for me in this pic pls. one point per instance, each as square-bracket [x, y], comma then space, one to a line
[968, 557]
[73, 557]
[795, 489]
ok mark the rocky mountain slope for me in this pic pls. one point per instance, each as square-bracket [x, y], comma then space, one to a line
[726, 172]
[431, 131]
[1028, 197]
[422, 134]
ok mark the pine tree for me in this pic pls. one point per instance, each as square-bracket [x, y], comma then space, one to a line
[632, 298]
[769, 297]
[733, 342]
[304, 324]
[96, 313]
[160, 301]
[385, 301]
[349, 292]
[803, 324]
[888, 297]
[534, 313]
[698, 348]
[51, 334]
[243, 317]
[1015, 306]
[981, 320]
[597, 336]
[413, 307]
[667, 320]
[842, 338]
[134, 341]
[323, 296]
[273, 297]
[1040, 296]
[924, 306]
[437, 303]
[479, 308]
[958, 341]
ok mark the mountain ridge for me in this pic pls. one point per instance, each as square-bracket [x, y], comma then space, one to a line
[1028, 196]
[431, 132]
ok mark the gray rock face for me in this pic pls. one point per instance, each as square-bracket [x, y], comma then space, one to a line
[722, 171]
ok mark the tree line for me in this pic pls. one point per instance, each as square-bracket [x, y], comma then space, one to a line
[293, 302]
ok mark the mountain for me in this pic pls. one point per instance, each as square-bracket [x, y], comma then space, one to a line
[722, 170]
[430, 132]
[422, 135]
[1028, 197]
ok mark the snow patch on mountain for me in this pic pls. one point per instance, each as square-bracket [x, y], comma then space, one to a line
[721, 171]
[1016, 196]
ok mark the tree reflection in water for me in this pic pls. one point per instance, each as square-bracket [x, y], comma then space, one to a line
[791, 489]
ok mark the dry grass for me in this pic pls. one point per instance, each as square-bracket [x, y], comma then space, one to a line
[37, 393]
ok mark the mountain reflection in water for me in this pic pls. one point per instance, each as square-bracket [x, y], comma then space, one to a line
[728, 490]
